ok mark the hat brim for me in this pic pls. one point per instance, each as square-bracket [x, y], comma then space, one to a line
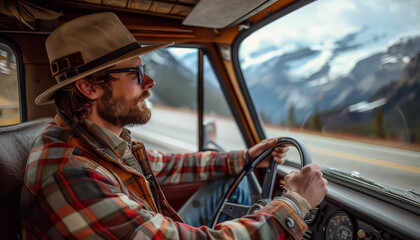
[46, 97]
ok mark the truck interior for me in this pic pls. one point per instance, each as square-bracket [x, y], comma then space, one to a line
[342, 77]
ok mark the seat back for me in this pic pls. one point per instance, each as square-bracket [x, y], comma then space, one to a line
[14, 149]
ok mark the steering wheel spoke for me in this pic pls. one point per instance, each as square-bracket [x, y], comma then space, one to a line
[254, 187]
[269, 179]
[235, 210]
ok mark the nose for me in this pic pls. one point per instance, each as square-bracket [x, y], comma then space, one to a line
[148, 83]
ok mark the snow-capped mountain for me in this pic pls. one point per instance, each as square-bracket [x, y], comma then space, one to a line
[344, 72]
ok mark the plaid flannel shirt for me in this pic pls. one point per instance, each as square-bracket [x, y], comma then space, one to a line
[67, 194]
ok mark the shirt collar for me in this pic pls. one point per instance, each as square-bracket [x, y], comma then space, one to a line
[121, 144]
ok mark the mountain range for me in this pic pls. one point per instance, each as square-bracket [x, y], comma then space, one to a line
[322, 87]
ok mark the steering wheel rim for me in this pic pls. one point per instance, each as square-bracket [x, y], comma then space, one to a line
[260, 196]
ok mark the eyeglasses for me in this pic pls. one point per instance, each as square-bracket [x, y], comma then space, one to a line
[140, 70]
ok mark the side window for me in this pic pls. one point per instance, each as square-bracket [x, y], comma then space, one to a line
[221, 131]
[173, 103]
[9, 88]
[173, 126]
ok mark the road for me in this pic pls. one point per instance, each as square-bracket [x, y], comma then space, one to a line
[171, 131]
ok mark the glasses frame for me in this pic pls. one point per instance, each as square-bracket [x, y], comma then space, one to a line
[140, 70]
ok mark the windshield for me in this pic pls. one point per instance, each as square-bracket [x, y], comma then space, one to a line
[344, 77]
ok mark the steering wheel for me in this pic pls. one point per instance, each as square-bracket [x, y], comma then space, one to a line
[259, 196]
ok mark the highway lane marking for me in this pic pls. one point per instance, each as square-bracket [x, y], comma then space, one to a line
[364, 159]
[307, 138]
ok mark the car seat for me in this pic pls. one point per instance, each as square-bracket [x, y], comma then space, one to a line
[15, 141]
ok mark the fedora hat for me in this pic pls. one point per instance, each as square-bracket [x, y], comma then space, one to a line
[86, 45]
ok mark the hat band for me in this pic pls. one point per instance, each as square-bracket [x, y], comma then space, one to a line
[97, 62]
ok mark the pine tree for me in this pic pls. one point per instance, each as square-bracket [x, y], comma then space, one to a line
[292, 118]
[379, 128]
[264, 117]
[316, 121]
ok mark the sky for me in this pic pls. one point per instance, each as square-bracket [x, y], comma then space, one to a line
[322, 22]
[319, 25]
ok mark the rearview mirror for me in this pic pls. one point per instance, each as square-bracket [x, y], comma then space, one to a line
[210, 136]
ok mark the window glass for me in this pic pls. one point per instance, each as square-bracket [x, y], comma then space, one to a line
[344, 77]
[9, 90]
[221, 131]
[173, 126]
[173, 101]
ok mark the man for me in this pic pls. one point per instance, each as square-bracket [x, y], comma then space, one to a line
[85, 178]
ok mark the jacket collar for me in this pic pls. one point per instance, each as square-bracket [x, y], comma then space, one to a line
[120, 145]
[93, 142]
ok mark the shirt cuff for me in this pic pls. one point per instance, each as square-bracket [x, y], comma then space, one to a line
[287, 217]
[298, 203]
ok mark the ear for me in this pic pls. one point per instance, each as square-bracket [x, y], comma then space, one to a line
[87, 89]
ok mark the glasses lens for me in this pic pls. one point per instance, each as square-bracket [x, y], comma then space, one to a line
[141, 72]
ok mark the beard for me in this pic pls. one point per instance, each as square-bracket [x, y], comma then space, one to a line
[121, 112]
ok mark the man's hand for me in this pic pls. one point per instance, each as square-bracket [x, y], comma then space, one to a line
[278, 154]
[308, 183]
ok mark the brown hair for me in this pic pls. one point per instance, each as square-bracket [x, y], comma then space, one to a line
[76, 106]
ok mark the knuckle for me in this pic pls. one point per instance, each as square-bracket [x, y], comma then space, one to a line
[306, 169]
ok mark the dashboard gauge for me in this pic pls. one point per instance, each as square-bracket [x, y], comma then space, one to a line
[339, 227]
[310, 216]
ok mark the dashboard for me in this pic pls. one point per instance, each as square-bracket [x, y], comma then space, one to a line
[346, 214]
[339, 225]
[331, 222]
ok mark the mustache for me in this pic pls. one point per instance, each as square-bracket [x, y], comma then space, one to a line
[143, 96]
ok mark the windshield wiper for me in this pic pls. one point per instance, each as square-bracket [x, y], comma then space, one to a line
[353, 175]
[408, 196]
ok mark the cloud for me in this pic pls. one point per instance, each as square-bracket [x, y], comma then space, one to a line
[294, 28]
[325, 21]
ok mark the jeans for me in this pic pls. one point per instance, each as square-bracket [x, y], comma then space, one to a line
[200, 209]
